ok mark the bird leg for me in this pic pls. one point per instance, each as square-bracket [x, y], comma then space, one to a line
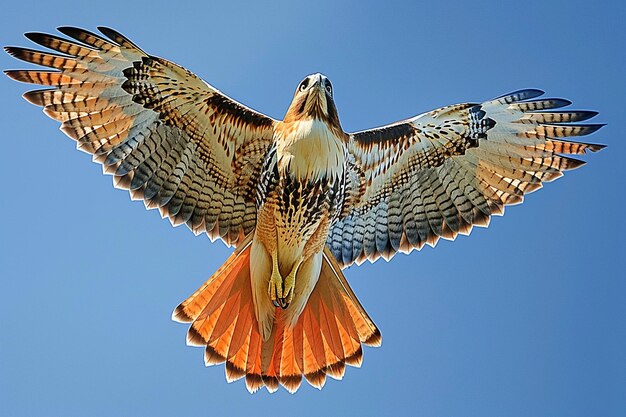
[281, 289]
[276, 281]
[289, 284]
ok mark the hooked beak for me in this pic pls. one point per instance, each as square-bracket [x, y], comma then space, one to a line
[318, 84]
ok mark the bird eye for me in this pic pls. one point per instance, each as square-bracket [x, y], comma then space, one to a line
[329, 89]
[304, 84]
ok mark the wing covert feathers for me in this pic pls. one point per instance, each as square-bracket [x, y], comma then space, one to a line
[440, 173]
[327, 336]
[170, 138]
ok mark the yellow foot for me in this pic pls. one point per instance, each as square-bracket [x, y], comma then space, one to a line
[281, 290]
[278, 294]
[289, 284]
[276, 288]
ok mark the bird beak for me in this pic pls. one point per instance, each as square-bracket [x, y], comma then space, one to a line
[317, 80]
[318, 84]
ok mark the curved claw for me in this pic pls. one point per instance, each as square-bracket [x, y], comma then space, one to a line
[275, 289]
[287, 291]
[279, 289]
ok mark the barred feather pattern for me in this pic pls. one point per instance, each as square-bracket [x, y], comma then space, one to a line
[440, 173]
[164, 134]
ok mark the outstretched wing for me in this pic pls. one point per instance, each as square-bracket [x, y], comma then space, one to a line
[164, 134]
[440, 173]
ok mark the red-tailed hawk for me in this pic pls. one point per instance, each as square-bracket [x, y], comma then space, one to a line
[300, 199]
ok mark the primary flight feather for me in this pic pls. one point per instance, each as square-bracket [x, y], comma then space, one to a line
[299, 198]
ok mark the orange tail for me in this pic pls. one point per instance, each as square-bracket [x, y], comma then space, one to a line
[327, 335]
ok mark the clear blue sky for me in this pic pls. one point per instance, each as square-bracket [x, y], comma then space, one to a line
[526, 318]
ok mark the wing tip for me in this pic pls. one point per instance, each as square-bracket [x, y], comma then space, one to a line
[70, 31]
[12, 50]
[118, 38]
[557, 103]
[16, 75]
[34, 97]
[572, 163]
[530, 93]
[84, 36]
[35, 36]
[107, 30]
[588, 114]
[596, 147]
[592, 127]
[519, 95]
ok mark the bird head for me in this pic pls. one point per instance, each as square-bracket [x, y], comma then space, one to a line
[313, 99]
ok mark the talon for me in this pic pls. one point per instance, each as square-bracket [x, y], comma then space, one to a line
[289, 284]
[279, 289]
[275, 288]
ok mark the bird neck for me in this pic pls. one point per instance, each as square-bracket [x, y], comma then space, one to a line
[314, 107]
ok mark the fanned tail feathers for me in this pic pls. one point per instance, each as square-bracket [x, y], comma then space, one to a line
[326, 337]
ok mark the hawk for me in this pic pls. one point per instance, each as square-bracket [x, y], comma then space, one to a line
[299, 198]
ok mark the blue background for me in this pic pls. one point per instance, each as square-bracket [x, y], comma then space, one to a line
[526, 318]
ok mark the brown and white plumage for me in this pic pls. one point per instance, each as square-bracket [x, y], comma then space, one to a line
[167, 136]
[441, 173]
[299, 198]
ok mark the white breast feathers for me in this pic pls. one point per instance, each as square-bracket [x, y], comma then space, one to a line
[310, 150]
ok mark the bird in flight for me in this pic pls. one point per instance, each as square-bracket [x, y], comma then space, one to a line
[298, 198]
